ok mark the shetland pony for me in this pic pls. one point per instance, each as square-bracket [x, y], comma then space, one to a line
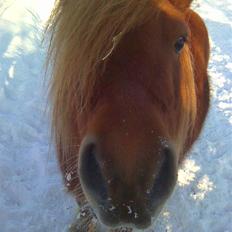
[129, 95]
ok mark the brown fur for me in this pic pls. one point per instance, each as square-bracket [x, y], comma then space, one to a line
[97, 84]
[78, 30]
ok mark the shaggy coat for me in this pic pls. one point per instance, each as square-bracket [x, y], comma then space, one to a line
[128, 101]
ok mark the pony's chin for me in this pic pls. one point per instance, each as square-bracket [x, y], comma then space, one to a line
[108, 222]
[123, 227]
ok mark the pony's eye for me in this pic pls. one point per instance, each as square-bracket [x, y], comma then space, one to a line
[180, 44]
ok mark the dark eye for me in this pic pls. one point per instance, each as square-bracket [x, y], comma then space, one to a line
[180, 44]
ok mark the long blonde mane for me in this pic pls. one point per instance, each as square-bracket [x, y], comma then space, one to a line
[83, 36]
[83, 33]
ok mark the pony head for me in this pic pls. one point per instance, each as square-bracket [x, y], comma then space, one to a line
[124, 102]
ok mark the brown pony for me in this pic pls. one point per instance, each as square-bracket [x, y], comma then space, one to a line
[130, 94]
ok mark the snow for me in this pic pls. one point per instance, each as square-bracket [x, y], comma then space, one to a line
[31, 191]
[32, 196]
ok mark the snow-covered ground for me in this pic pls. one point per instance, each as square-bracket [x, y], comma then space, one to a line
[32, 197]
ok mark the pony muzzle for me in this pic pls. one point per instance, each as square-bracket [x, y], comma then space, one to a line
[117, 204]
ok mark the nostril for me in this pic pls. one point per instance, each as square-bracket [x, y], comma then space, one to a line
[166, 178]
[91, 174]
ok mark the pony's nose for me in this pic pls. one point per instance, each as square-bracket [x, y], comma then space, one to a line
[117, 207]
[90, 173]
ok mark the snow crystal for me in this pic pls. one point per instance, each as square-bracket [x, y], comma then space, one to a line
[187, 173]
[12, 70]
[129, 209]
[112, 208]
[164, 142]
[204, 186]
[68, 176]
